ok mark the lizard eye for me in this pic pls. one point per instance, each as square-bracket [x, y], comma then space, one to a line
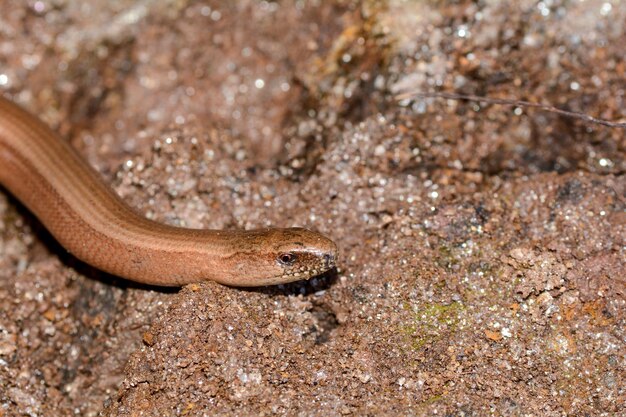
[286, 258]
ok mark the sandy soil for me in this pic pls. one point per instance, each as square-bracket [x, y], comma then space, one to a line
[482, 247]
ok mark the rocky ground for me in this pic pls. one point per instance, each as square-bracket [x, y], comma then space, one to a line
[482, 247]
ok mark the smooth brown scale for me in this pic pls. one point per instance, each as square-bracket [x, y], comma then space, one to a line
[96, 226]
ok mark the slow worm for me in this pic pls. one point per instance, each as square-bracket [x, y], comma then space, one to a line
[95, 225]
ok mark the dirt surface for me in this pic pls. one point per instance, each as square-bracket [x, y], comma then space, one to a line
[482, 247]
